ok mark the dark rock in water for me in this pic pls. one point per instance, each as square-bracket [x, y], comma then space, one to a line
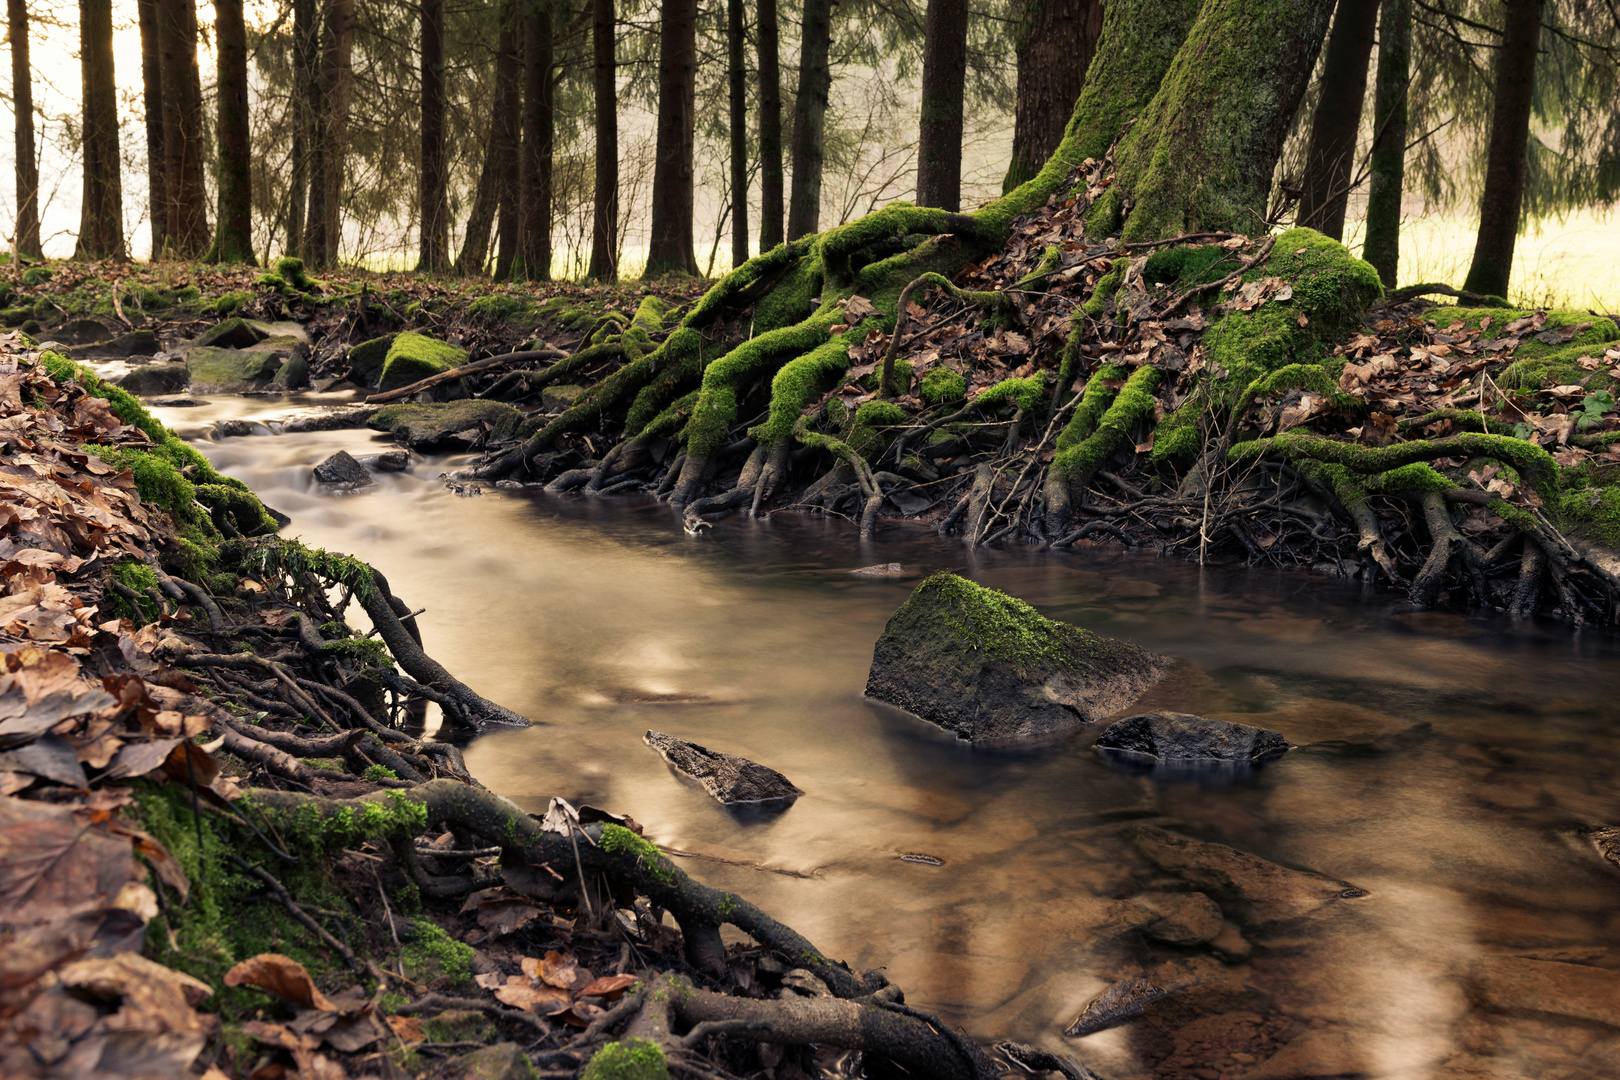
[730, 779]
[1184, 738]
[232, 334]
[1261, 892]
[331, 421]
[881, 570]
[450, 425]
[341, 468]
[177, 403]
[390, 461]
[991, 668]
[229, 371]
[151, 379]
[366, 359]
[1182, 919]
[82, 332]
[230, 429]
[134, 343]
[1116, 1005]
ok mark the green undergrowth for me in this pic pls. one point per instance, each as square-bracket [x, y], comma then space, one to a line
[632, 1059]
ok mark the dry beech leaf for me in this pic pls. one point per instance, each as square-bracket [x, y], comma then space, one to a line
[535, 999]
[609, 986]
[282, 976]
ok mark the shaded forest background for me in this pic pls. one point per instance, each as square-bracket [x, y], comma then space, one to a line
[368, 114]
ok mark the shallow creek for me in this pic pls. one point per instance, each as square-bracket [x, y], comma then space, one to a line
[1444, 766]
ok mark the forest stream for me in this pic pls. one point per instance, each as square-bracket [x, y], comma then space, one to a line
[1444, 767]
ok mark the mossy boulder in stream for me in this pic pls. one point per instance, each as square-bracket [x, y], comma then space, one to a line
[233, 333]
[416, 356]
[230, 371]
[992, 669]
[446, 425]
[366, 359]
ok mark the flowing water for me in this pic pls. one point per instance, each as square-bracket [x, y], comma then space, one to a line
[1446, 766]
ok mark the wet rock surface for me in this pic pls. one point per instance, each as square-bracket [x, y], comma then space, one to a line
[450, 425]
[1182, 919]
[342, 468]
[389, 461]
[231, 334]
[992, 669]
[149, 379]
[730, 779]
[1259, 892]
[230, 371]
[1184, 738]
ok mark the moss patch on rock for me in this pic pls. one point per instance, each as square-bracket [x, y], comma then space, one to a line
[414, 356]
[437, 425]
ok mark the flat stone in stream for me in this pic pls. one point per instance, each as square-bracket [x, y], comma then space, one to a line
[446, 425]
[1185, 739]
[341, 468]
[149, 379]
[1257, 891]
[992, 669]
[730, 779]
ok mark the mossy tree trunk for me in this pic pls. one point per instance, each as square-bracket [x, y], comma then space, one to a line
[506, 138]
[539, 126]
[1201, 155]
[1388, 163]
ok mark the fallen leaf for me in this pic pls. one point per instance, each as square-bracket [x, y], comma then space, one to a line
[282, 976]
[535, 999]
[608, 986]
[408, 1028]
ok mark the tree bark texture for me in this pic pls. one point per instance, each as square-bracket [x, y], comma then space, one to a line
[486, 198]
[152, 99]
[670, 250]
[1201, 155]
[305, 57]
[186, 205]
[738, 74]
[324, 229]
[506, 138]
[809, 119]
[433, 202]
[1503, 197]
[1056, 41]
[233, 237]
[605, 198]
[1330, 155]
[770, 127]
[101, 214]
[944, 75]
[1387, 179]
[22, 99]
[534, 174]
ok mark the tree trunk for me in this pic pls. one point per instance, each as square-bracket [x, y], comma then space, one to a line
[233, 239]
[1330, 156]
[323, 230]
[770, 127]
[739, 132]
[534, 179]
[809, 118]
[1388, 165]
[22, 99]
[1056, 41]
[152, 100]
[1503, 197]
[939, 136]
[671, 250]
[101, 214]
[506, 138]
[432, 198]
[1201, 155]
[187, 194]
[306, 52]
[605, 200]
[475, 244]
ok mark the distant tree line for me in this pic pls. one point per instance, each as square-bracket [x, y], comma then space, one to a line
[322, 117]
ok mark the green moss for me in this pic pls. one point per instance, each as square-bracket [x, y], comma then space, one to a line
[499, 307]
[380, 772]
[941, 384]
[138, 577]
[1079, 461]
[433, 954]
[1106, 287]
[230, 303]
[366, 359]
[1418, 476]
[1532, 463]
[281, 557]
[1187, 264]
[1099, 394]
[1028, 393]
[717, 400]
[616, 839]
[633, 1059]
[1593, 512]
[447, 416]
[1008, 629]
[414, 356]
[291, 270]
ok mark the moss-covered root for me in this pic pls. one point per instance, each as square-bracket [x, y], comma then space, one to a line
[1351, 495]
[1082, 453]
[870, 491]
[1533, 463]
[921, 1045]
[608, 849]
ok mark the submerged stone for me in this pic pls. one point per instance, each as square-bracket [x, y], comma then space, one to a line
[1119, 1004]
[1183, 919]
[1187, 739]
[341, 468]
[991, 668]
[1259, 891]
[446, 425]
[234, 333]
[730, 779]
[388, 461]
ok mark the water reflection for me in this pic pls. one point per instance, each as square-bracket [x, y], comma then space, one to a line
[1446, 763]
